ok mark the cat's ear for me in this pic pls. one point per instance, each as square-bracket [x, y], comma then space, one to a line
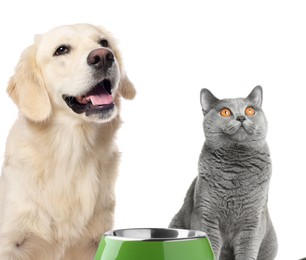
[256, 96]
[208, 100]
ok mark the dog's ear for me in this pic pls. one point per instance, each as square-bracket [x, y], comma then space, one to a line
[27, 89]
[126, 87]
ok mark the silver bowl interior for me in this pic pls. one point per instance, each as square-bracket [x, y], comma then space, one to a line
[157, 234]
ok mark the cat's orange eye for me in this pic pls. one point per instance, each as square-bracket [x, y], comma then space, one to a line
[250, 111]
[225, 112]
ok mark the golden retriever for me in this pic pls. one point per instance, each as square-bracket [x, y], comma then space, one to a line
[61, 161]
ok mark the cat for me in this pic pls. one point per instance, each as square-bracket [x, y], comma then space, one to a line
[228, 198]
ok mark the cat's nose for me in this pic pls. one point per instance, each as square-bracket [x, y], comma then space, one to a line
[241, 118]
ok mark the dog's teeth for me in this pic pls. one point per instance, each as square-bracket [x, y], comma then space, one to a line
[93, 102]
[82, 100]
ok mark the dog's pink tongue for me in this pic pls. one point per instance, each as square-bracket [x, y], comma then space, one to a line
[100, 100]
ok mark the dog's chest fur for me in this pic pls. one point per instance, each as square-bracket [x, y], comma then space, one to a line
[73, 173]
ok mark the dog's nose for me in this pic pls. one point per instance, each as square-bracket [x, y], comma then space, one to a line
[101, 58]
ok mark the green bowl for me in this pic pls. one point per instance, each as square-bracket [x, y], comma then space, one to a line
[154, 244]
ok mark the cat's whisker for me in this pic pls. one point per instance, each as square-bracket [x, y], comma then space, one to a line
[232, 128]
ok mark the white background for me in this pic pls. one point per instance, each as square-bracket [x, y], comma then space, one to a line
[171, 50]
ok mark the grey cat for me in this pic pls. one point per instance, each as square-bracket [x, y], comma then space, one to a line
[228, 198]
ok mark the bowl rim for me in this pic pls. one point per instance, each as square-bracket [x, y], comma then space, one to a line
[182, 234]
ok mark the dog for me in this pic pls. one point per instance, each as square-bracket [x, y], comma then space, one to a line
[61, 161]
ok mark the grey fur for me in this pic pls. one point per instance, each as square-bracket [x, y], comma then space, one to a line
[228, 198]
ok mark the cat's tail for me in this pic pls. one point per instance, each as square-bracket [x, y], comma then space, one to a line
[182, 218]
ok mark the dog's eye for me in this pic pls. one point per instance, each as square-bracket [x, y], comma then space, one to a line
[103, 43]
[61, 50]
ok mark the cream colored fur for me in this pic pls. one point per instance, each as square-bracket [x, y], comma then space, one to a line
[57, 184]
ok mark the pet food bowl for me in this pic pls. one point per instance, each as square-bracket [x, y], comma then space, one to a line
[154, 244]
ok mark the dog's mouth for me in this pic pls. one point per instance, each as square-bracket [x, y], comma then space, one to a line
[98, 99]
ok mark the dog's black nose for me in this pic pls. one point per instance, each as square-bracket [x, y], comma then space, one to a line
[101, 58]
[240, 118]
